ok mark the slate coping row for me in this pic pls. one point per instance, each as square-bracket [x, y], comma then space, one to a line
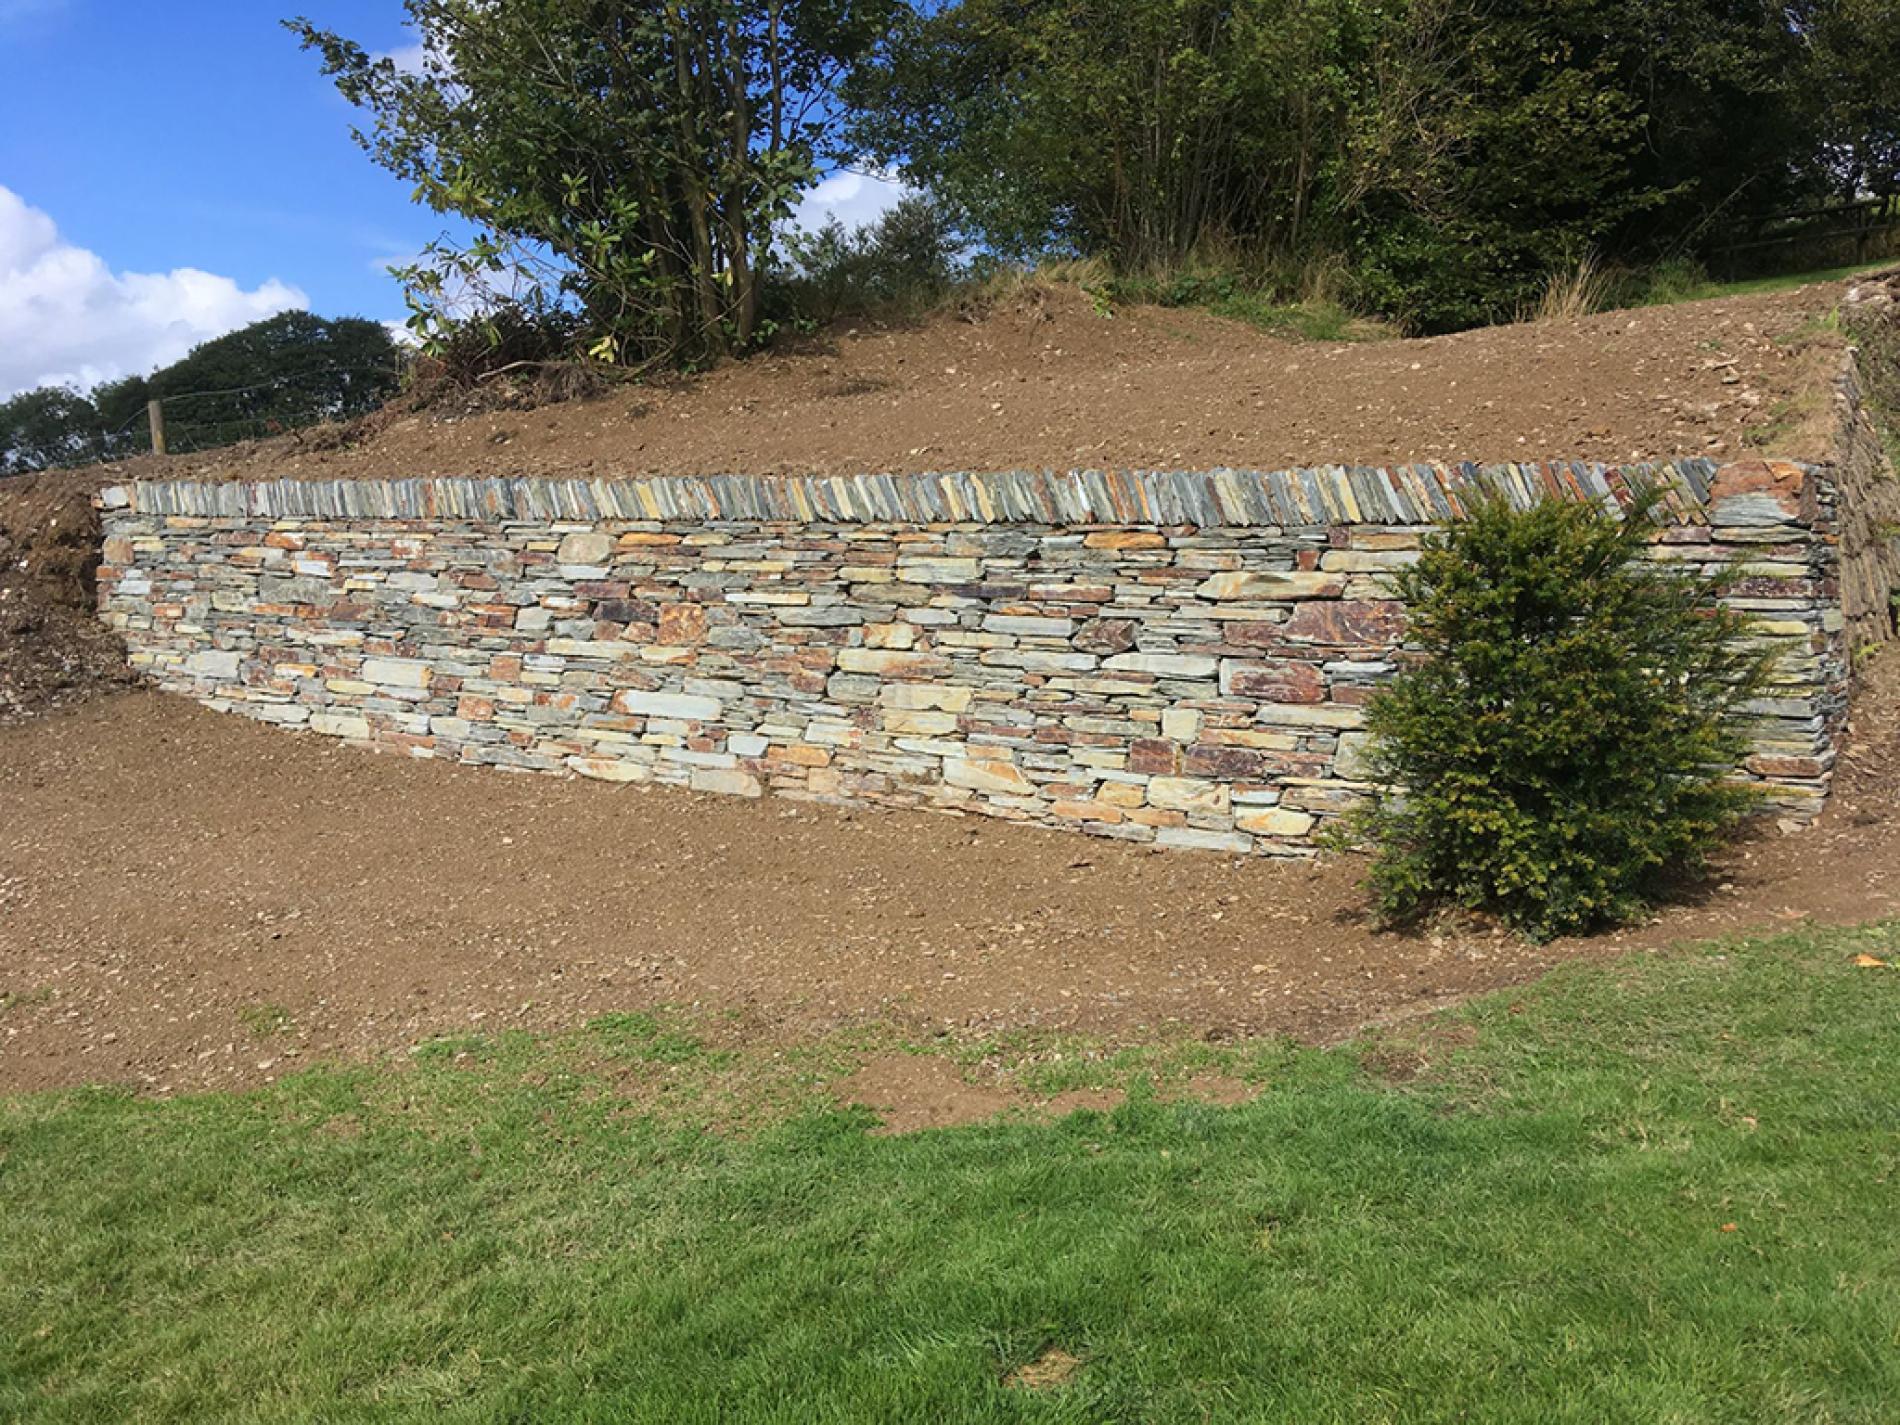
[1313, 497]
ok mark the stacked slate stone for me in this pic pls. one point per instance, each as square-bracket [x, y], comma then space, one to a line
[1181, 659]
[1773, 526]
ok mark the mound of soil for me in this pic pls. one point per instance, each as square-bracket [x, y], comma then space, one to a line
[1045, 380]
[52, 649]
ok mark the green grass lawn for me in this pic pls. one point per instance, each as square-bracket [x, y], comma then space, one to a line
[1657, 1190]
[1782, 282]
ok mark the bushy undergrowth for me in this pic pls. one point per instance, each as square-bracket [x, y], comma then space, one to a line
[1302, 301]
[1561, 743]
[899, 266]
[1589, 287]
[509, 335]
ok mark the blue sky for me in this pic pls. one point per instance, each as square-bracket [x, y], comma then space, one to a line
[170, 169]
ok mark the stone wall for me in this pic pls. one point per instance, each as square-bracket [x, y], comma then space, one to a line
[1863, 476]
[1181, 659]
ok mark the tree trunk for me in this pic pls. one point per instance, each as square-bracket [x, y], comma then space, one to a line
[692, 167]
[745, 294]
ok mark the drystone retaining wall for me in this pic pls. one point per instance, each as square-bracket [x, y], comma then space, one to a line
[1868, 497]
[1181, 659]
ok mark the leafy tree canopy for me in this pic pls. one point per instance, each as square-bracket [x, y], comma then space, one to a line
[46, 427]
[1131, 129]
[1454, 152]
[290, 370]
[628, 161]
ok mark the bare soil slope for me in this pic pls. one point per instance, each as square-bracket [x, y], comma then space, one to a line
[1045, 381]
[190, 900]
[1039, 379]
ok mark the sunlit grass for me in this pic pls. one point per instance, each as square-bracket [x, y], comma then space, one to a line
[1661, 1189]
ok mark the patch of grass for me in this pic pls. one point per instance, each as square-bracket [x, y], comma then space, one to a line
[1301, 303]
[1781, 419]
[1046, 1065]
[265, 1021]
[42, 994]
[1574, 292]
[1588, 288]
[643, 1039]
[1675, 279]
[475, 1048]
[1311, 314]
[1877, 335]
[1309, 321]
[1659, 1189]
[1674, 282]
[1782, 282]
[1822, 326]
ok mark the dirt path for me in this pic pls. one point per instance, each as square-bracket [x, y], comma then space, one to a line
[191, 900]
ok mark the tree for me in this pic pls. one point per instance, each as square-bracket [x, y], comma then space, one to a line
[290, 370]
[286, 371]
[1564, 739]
[121, 409]
[53, 425]
[908, 257]
[1530, 134]
[1520, 159]
[1856, 88]
[625, 162]
[1455, 152]
[1131, 129]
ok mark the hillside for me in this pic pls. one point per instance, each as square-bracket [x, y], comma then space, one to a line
[1045, 380]
[1038, 379]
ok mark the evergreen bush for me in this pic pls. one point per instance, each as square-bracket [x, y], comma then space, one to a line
[1562, 737]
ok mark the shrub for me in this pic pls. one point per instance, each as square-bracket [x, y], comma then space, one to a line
[898, 265]
[1573, 292]
[1678, 278]
[520, 339]
[1560, 740]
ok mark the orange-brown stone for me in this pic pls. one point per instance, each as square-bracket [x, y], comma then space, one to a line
[682, 623]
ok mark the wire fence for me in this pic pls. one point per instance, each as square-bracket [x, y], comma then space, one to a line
[196, 421]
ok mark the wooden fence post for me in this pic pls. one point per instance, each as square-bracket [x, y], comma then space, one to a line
[155, 413]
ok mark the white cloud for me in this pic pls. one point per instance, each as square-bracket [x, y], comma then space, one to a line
[420, 55]
[855, 199]
[408, 58]
[67, 318]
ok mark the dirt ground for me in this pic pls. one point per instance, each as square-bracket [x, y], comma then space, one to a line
[190, 900]
[53, 651]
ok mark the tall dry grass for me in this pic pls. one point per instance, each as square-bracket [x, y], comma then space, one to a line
[1578, 292]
